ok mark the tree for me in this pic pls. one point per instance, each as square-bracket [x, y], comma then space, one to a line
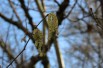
[81, 21]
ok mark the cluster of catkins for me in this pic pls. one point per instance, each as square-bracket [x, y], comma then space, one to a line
[52, 22]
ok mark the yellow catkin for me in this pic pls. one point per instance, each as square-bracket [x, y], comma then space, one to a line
[52, 24]
[38, 36]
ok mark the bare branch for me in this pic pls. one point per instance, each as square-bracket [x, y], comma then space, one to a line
[18, 25]
[59, 56]
[71, 9]
[18, 54]
[60, 12]
[7, 51]
[27, 13]
[40, 8]
[57, 2]
[11, 4]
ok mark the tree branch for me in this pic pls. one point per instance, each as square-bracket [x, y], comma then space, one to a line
[59, 56]
[71, 9]
[27, 13]
[18, 54]
[101, 3]
[41, 10]
[18, 25]
[60, 12]
[12, 6]
[7, 51]
[45, 62]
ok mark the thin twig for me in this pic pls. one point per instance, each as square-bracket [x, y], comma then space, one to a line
[57, 2]
[71, 10]
[18, 54]
[42, 19]
[98, 22]
[6, 42]
[26, 11]
[14, 10]
[41, 10]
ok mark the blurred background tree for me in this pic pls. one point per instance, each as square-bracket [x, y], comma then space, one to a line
[79, 41]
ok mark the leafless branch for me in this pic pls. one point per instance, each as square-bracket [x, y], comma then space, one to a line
[11, 4]
[58, 53]
[7, 51]
[41, 10]
[57, 2]
[20, 26]
[71, 9]
[18, 54]
[27, 13]
[60, 12]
